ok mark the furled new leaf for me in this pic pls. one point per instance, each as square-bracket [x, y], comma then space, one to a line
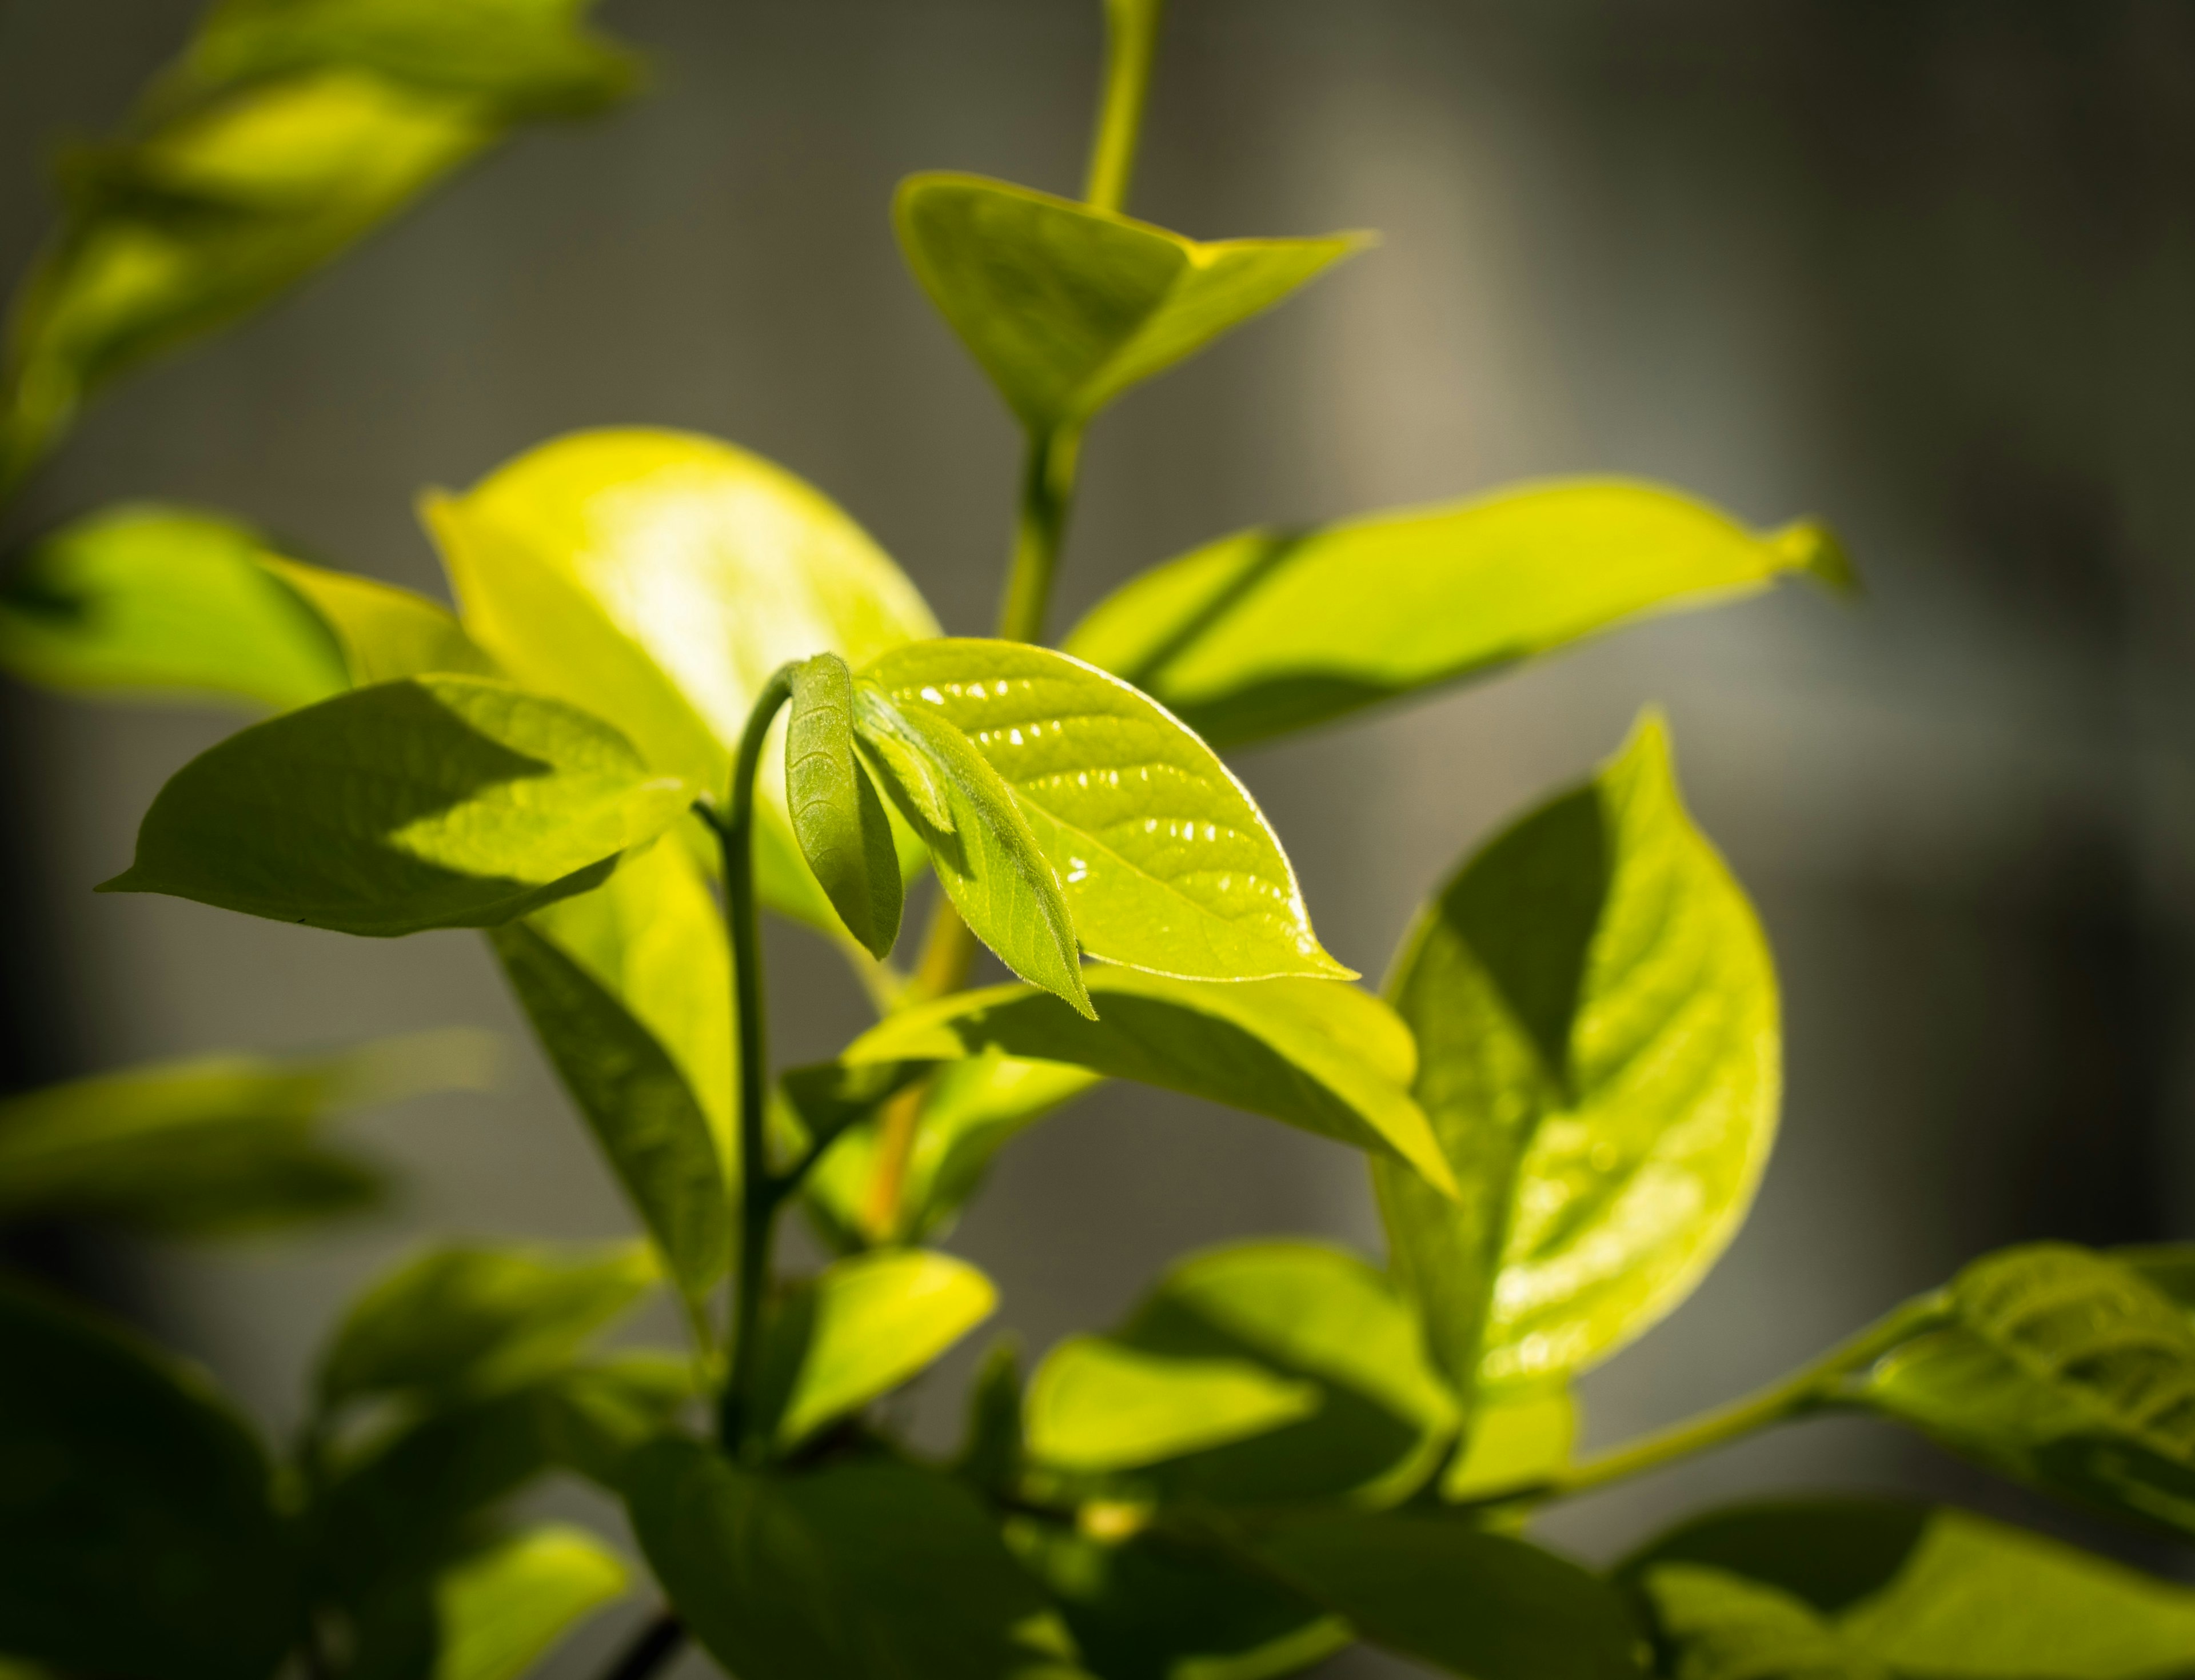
[1872, 1588]
[218, 1145]
[859, 1330]
[877, 1570]
[432, 802]
[837, 816]
[1165, 862]
[137, 1535]
[1317, 1053]
[1271, 630]
[1596, 1017]
[501, 1609]
[659, 579]
[1066, 306]
[1095, 1405]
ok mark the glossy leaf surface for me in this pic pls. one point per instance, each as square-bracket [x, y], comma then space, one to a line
[837, 816]
[1165, 862]
[1271, 630]
[136, 1534]
[1313, 1053]
[501, 1610]
[1876, 1588]
[659, 579]
[1066, 306]
[1095, 1405]
[860, 1329]
[1596, 1015]
[437, 802]
[860, 1572]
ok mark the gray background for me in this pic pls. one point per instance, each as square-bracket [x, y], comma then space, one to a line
[1925, 268]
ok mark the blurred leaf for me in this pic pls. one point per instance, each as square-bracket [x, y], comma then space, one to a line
[990, 1456]
[218, 1145]
[1314, 1053]
[837, 817]
[873, 1571]
[1892, 1587]
[1066, 306]
[1096, 1405]
[136, 1534]
[503, 1607]
[592, 1416]
[1596, 1015]
[659, 579]
[857, 1330]
[292, 128]
[1165, 862]
[385, 632]
[1471, 1604]
[434, 803]
[460, 1321]
[1514, 1438]
[1271, 630]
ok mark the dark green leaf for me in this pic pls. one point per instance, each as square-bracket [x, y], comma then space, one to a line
[1271, 630]
[592, 1416]
[991, 1456]
[137, 1535]
[859, 1572]
[1095, 1405]
[1066, 306]
[1165, 863]
[837, 817]
[432, 802]
[501, 1609]
[1596, 1015]
[1314, 1053]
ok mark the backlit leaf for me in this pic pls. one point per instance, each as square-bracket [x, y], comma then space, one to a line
[1095, 1405]
[1066, 306]
[1315, 1053]
[437, 802]
[837, 816]
[501, 1609]
[1271, 630]
[1165, 862]
[1596, 1017]
[385, 632]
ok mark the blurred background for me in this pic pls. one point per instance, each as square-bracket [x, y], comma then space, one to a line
[1923, 267]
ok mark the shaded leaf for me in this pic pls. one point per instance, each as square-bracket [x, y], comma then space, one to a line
[502, 1609]
[990, 1456]
[1096, 1405]
[1596, 1015]
[837, 817]
[1066, 306]
[1315, 1053]
[1165, 862]
[592, 1416]
[437, 802]
[1271, 630]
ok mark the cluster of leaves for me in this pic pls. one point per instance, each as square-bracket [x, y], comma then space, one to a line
[681, 682]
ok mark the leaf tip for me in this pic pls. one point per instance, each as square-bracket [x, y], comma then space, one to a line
[1811, 546]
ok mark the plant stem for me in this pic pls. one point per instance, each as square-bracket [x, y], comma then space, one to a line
[662, 1639]
[757, 1198]
[1131, 34]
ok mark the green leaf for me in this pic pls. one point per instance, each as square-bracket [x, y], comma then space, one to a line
[1717, 1625]
[2063, 1367]
[659, 579]
[219, 1145]
[434, 803]
[1306, 1315]
[502, 1609]
[1271, 630]
[136, 1534]
[860, 1572]
[990, 1457]
[1514, 1439]
[837, 816]
[385, 632]
[859, 1330]
[592, 1416]
[1472, 1603]
[1066, 306]
[1096, 1405]
[1893, 1587]
[1596, 1015]
[457, 1322]
[1165, 862]
[1313, 1053]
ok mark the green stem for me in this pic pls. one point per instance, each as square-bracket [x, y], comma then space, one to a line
[758, 1201]
[1132, 35]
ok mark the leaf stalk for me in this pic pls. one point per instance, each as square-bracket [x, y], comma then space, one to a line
[1132, 35]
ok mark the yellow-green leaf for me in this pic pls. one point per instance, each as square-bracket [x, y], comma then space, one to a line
[837, 816]
[1095, 1405]
[502, 1609]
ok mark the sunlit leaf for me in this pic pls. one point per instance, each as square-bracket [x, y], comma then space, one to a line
[837, 816]
[1883, 1587]
[1314, 1053]
[1515, 1438]
[659, 579]
[1165, 862]
[1095, 1405]
[1066, 306]
[385, 632]
[1271, 630]
[1596, 1017]
[502, 1609]
[136, 1530]
[859, 1330]
[432, 802]
[859, 1572]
